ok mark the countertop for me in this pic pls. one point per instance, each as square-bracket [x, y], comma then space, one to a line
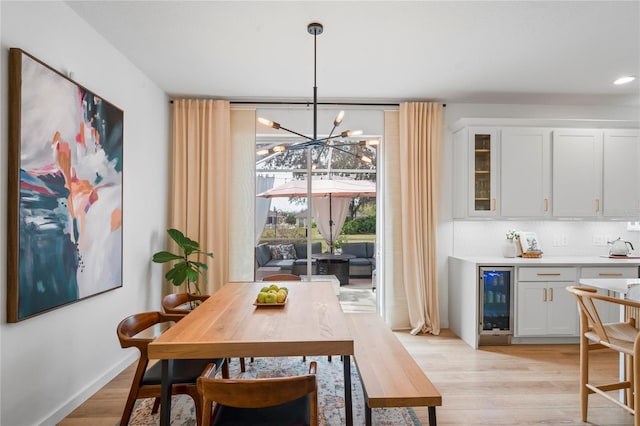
[548, 260]
[619, 285]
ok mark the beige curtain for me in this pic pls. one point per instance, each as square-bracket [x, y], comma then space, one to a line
[199, 199]
[420, 126]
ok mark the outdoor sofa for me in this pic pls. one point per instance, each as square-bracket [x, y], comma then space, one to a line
[273, 258]
[364, 262]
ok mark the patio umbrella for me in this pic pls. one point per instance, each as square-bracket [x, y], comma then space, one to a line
[324, 188]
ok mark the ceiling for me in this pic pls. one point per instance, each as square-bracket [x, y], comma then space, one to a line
[532, 52]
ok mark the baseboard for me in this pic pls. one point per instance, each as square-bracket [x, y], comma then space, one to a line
[544, 340]
[75, 401]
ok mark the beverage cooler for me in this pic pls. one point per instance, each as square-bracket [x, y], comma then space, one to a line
[496, 306]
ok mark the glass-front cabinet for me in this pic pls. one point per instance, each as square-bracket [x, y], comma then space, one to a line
[483, 194]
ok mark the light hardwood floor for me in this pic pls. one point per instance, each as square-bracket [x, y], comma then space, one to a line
[495, 385]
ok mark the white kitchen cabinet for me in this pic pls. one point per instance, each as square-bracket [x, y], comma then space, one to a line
[596, 173]
[608, 312]
[545, 172]
[621, 174]
[476, 171]
[577, 171]
[460, 173]
[553, 319]
[525, 172]
[544, 307]
[483, 179]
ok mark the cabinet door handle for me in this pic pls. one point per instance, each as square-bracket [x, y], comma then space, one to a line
[597, 205]
[494, 204]
[550, 295]
[546, 204]
[544, 294]
[610, 274]
[548, 275]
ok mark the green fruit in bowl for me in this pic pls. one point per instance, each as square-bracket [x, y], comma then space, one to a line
[271, 298]
[285, 289]
[282, 296]
[262, 297]
[273, 287]
[264, 289]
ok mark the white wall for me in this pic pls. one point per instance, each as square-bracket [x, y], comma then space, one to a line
[51, 363]
[484, 237]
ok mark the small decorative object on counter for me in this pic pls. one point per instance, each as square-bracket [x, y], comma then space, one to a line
[532, 254]
[509, 247]
[529, 245]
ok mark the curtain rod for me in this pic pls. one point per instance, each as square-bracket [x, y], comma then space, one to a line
[310, 103]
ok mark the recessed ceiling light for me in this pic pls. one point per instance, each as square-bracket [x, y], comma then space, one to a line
[624, 80]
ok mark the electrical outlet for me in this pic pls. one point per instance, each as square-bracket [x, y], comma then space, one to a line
[565, 240]
[633, 226]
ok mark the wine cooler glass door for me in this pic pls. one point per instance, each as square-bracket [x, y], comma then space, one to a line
[496, 301]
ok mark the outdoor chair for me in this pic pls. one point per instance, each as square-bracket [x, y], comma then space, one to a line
[271, 401]
[622, 337]
[146, 381]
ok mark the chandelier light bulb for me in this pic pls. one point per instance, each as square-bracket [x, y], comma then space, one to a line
[279, 148]
[348, 133]
[269, 123]
[369, 142]
[338, 119]
[262, 152]
[624, 80]
[364, 158]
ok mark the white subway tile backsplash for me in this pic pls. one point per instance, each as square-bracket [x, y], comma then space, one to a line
[557, 238]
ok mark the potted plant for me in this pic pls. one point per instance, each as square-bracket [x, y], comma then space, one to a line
[509, 248]
[187, 267]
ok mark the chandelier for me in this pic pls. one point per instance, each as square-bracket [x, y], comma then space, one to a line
[312, 143]
[332, 141]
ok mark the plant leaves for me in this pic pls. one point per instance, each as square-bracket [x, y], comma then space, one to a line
[183, 269]
[165, 256]
[200, 265]
[176, 236]
[192, 274]
[190, 243]
[206, 253]
[179, 276]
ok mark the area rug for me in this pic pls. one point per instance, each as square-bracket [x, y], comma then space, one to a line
[330, 394]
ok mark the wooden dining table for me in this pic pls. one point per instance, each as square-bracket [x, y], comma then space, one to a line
[228, 324]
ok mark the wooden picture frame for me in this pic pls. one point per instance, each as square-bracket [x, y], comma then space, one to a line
[65, 164]
[529, 243]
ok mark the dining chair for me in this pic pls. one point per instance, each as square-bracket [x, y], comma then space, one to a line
[622, 337]
[269, 401]
[183, 303]
[147, 380]
[285, 277]
[282, 277]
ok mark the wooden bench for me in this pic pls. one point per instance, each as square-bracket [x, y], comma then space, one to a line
[390, 377]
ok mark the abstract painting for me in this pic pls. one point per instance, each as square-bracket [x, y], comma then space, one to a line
[64, 239]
